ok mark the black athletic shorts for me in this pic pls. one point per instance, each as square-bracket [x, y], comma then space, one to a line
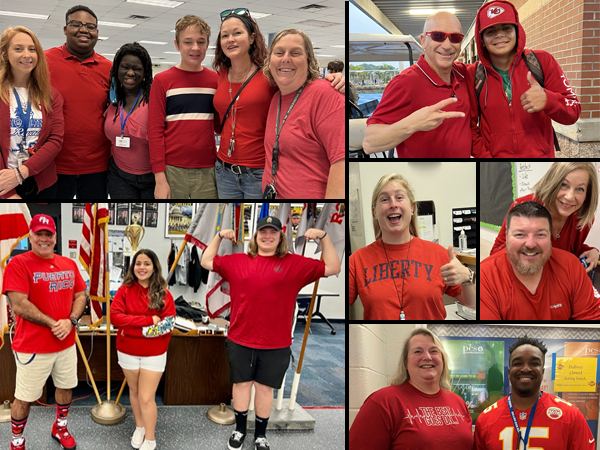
[266, 367]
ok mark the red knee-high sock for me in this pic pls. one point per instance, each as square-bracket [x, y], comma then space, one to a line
[17, 427]
[62, 411]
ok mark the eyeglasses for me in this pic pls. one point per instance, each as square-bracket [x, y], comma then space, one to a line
[237, 12]
[77, 24]
[440, 36]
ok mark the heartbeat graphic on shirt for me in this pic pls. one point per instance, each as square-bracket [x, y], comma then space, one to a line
[438, 416]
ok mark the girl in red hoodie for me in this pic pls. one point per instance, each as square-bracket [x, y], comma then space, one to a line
[142, 301]
[516, 112]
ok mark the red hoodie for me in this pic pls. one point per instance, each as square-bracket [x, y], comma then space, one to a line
[506, 129]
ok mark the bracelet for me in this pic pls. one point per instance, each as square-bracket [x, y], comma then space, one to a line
[323, 236]
[18, 176]
[219, 234]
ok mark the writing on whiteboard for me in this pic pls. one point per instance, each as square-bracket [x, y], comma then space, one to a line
[524, 185]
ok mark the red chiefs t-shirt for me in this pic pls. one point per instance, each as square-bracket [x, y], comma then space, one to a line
[404, 418]
[50, 285]
[557, 425]
[263, 295]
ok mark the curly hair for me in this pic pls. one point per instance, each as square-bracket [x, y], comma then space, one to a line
[134, 49]
[525, 340]
[257, 51]
[38, 86]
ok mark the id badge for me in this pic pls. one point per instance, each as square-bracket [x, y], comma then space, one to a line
[122, 142]
[21, 158]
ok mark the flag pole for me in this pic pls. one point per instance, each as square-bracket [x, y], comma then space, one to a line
[121, 391]
[300, 359]
[87, 366]
[172, 270]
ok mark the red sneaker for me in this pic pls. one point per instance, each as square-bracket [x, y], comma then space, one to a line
[20, 446]
[64, 438]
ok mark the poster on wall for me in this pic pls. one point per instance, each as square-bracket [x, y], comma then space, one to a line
[179, 218]
[78, 212]
[477, 372]
[586, 402]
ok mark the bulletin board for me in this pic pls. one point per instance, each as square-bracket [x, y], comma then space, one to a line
[479, 371]
[496, 193]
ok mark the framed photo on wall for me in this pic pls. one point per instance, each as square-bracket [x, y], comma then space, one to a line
[178, 219]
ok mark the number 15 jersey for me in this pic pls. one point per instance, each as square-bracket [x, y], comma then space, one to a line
[557, 425]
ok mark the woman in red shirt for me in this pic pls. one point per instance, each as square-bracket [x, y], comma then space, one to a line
[264, 285]
[418, 411]
[569, 191]
[31, 119]
[141, 302]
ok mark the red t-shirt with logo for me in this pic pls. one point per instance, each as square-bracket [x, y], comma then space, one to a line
[404, 418]
[557, 425]
[263, 294]
[50, 284]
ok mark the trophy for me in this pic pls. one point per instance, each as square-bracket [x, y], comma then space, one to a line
[135, 233]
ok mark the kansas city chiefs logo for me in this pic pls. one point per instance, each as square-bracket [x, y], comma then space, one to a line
[494, 11]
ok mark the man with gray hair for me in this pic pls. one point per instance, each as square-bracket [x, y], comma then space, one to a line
[416, 104]
[531, 280]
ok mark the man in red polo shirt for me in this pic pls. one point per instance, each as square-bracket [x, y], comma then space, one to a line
[81, 75]
[424, 111]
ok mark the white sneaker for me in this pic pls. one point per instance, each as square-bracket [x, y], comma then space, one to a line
[138, 437]
[148, 445]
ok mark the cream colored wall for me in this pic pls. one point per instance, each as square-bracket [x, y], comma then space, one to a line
[373, 357]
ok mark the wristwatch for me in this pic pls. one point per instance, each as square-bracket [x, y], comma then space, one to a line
[74, 321]
[471, 277]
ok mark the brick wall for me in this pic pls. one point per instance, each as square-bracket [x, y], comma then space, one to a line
[570, 31]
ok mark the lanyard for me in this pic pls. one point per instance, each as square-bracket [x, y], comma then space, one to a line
[129, 113]
[24, 116]
[516, 425]
[278, 128]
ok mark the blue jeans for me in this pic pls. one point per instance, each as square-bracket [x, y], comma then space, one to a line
[244, 185]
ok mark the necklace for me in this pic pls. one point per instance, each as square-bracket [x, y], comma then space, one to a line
[234, 112]
[402, 315]
[560, 231]
[239, 80]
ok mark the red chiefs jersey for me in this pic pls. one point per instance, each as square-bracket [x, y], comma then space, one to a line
[557, 425]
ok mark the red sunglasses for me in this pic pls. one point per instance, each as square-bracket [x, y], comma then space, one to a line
[440, 36]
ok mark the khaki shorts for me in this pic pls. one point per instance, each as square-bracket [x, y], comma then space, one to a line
[192, 183]
[31, 378]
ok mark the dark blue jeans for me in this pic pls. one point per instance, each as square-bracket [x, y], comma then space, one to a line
[126, 186]
[86, 187]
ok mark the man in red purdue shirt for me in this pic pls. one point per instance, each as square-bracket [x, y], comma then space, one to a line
[416, 104]
[528, 416]
[81, 75]
[532, 280]
[47, 295]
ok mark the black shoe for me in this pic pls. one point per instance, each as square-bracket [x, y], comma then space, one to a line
[236, 440]
[261, 443]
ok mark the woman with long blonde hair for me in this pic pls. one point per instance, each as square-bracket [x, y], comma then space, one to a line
[418, 410]
[569, 191]
[400, 276]
[31, 118]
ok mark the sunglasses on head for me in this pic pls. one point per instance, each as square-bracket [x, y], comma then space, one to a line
[235, 12]
[440, 36]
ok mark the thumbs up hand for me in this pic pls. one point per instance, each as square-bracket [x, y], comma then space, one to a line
[534, 99]
[454, 273]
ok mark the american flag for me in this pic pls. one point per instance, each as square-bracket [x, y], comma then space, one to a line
[333, 220]
[14, 226]
[92, 254]
[307, 220]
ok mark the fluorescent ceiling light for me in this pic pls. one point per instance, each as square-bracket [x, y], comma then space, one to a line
[153, 42]
[337, 46]
[257, 15]
[325, 56]
[18, 14]
[163, 3]
[419, 12]
[102, 38]
[173, 53]
[117, 24]
[108, 54]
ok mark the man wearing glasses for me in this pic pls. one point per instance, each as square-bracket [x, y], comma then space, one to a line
[424, 111]
[82, 77]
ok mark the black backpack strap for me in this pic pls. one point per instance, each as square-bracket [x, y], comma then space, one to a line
[533, 64]
[480, 76]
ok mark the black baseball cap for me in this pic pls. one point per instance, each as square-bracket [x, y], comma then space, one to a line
[269, 222]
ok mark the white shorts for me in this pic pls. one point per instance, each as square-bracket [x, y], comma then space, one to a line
[153, 363]
[31, 378]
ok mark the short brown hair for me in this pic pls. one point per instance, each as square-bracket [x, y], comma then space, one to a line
[281, 251]
[191, 21]
[313, 62]
[335, 66]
